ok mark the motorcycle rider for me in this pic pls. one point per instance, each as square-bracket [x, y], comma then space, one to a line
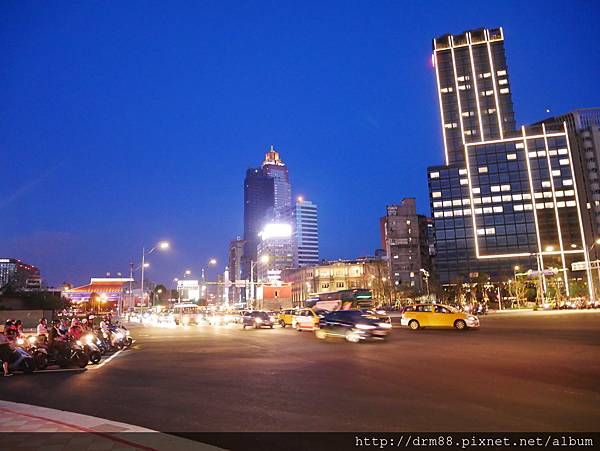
[19, 327]
[56, 339]
[42, 327]
[10, 330]
[5, 353]
[75, 331]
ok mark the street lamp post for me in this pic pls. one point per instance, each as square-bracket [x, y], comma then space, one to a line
[426, 277]
[263, 259]
[163, 245]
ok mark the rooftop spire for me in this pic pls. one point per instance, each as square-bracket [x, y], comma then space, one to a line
[272, 157]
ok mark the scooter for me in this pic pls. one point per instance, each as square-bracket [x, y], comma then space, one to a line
[72, 355]
[88, 342]
[36, 349]
[20, 360]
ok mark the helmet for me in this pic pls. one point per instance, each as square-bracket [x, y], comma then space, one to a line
[84, 321]
[18, 322]
[55, 322]
[43, 321]
[8, 323]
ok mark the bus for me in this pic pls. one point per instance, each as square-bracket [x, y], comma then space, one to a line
[358, 298]
[186, 313]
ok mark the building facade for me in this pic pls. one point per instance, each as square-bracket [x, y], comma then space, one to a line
[258, 202]
[511, 200]
[366, 272]
[405, 238]
[234, 258]
[19, 275]
[275, 168]
[275, 251]
[305, 232]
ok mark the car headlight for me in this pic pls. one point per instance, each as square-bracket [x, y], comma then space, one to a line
[32, 340]
[364, 326]
[258, 320]
[472, 318]
[20, 341]
[272, 318]
[385, 325]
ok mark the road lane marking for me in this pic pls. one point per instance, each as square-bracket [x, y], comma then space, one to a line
[104, 362]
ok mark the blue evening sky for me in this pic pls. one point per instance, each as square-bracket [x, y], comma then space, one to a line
[126, 122]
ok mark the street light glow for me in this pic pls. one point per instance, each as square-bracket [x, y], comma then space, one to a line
[264, 259]
[517, 268]
[163, 245]
[146, 265]
[549, 248]
[188, 272]
[212, 261]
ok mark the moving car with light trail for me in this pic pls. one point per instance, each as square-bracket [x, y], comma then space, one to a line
[353, 325]
[306, 319]
[419, 316]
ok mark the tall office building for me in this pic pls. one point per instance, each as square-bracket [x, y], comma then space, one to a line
[275, 251]
[305, 232]
[505, 197]
[258, 202]
[405, 238]
[275, 168]
[473, 89]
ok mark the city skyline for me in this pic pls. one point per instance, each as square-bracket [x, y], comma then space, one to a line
[128, 191]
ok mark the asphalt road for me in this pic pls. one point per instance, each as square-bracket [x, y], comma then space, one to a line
[519, 372]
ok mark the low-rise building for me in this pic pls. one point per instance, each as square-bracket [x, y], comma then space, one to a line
[337, 275]
[19, 275]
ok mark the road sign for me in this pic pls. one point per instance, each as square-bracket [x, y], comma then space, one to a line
[545, 272]
[580, 266]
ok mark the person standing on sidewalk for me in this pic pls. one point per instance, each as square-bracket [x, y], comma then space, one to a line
[5, 353]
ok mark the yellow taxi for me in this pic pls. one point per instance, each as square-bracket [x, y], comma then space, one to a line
[305, 319]
[437, 315]
[286, 317]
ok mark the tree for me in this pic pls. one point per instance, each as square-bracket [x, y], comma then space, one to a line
[518, 289]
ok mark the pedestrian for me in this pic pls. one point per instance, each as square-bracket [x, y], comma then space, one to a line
[5, 353]
[19, 327]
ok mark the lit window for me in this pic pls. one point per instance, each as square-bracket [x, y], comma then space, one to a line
[491, 110]
[476, 190]
[480, 231]
[483, 169]
[569, 193]
[559, 193]
[549, 204]
[467, 211]
[477, 200]
[456, 202]
[518, 207]
[539, 206]
[437, 204]
[556, 173]
[560, 204]
[501, 72]
[517, 197]
[526, 196]
[457, 212]
[488, 210]
[496, 199]
[466, 201]
[448, 214]
[504, 91]
[464, 181]
[567, 182]
[462, 172]
[504, 81]
[511, 156]
[563, 151]
[495, 189]
[546, 184]
[547, 194]
[564, 161]
[447, 203]
[541, 153]
[434, 175]
[532, 154]
[436, 194]
[519, 146]
[505, 187]
[506, 198]
[538, 195]
[498, 209]
[571, 203]
[528, 206]
[478, 211]
[437, 214]
[552, 153]
[486, 200]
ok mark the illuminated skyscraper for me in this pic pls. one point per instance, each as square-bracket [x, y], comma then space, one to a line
[505, 197]
[473, 89]
[275, 168]
[305, 231]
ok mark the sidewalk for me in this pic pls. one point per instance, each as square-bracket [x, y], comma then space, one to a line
[71, 431]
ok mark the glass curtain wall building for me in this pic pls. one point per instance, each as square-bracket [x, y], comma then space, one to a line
[511, 197]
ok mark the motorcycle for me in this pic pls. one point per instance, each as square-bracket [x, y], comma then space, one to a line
[122, 333]
[20, 360]
[88, 342]
[73, 354]
[35, 347]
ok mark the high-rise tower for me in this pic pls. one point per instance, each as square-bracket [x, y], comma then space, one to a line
[473, 89]
[275, 168]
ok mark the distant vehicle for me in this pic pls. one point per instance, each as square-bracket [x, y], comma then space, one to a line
[306, 319]
[419, 316]
[257, 319]
[358, 298]
[186, 313]
[286, 317]
[353, 325]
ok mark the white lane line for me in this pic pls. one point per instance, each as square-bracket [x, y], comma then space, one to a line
[104, 362]
[58, 370]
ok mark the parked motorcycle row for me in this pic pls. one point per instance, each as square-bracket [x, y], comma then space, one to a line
[31, 352]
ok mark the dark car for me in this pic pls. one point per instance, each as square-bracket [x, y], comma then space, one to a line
[353, 325]
[257, 319]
